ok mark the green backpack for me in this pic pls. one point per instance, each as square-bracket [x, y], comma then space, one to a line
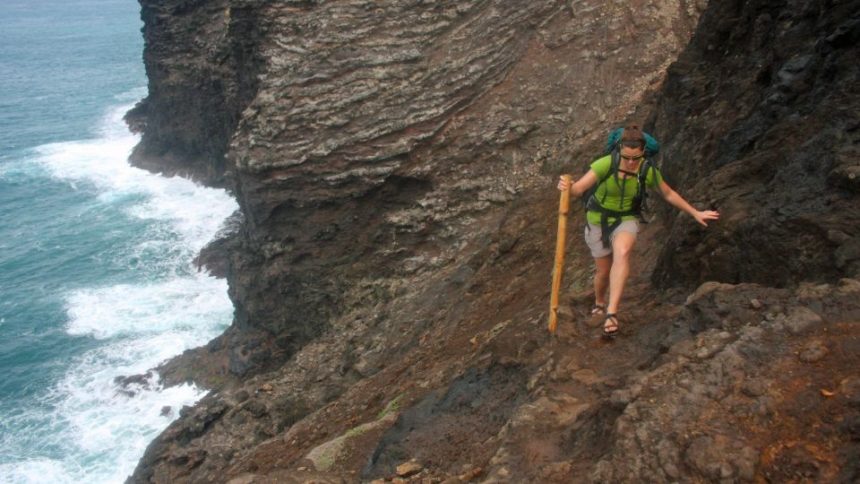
[589, 198]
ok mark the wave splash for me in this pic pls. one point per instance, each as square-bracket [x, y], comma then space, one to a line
[100, 432]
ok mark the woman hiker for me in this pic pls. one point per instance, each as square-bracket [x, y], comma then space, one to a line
[613, 215]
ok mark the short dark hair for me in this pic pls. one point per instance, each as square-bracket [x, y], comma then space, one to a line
[633, 137]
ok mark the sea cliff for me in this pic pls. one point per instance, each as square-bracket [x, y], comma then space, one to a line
[395, 167]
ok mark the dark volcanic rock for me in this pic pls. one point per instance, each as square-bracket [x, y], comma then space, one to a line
[202, 67]
[328, 174]
[468, 407]
[760, 120]
[215, 256]
[130, 385]
[713, 403]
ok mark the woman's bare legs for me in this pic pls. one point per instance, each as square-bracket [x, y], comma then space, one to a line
[602, 265]
[622, 245]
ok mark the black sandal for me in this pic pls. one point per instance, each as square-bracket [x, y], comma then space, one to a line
[612, 319]
[598, 309]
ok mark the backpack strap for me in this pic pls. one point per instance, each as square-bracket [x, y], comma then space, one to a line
[614, 164]
[642, 193]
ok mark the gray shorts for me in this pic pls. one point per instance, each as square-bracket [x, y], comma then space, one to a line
[593, 234]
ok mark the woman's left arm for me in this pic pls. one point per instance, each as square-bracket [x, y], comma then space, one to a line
[676, 200]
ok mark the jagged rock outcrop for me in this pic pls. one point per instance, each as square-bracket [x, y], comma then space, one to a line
[765, 392]
[202, 66]
[394, 163]
[764, 125]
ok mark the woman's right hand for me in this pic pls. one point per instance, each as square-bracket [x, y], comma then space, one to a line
[563, 184]
[704, 216]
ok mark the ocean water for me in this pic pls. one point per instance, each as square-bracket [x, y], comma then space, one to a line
[96, 273]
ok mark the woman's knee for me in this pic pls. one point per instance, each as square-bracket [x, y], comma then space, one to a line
[623, 244]
[623, 253]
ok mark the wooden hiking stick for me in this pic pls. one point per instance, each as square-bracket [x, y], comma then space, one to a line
[557, 270]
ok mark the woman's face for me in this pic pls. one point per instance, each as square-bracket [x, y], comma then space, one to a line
[632, 156]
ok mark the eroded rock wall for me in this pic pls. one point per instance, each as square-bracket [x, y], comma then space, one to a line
[202, 63]
[761, 119]
[384, 133]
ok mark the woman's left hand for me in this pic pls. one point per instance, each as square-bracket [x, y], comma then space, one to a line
[702, 216]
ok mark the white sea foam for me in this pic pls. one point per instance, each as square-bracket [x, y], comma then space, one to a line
[181, 303]
[102, 432]
[34, 470]
[114, 427]
[194, 212]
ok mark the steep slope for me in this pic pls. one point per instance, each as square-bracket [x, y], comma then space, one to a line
[395, 172]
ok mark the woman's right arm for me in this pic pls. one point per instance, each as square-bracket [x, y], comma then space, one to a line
[580, 186]
[675, 199]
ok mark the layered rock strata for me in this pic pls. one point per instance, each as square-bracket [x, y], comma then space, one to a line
[381, 130]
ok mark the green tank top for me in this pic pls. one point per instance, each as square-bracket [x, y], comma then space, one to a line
[613, 189]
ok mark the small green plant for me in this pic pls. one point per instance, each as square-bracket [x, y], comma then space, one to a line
[393, 406]
[355, 431]
[325, 461]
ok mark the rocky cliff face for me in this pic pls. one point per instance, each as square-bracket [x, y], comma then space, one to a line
[764, 126]
[381, 131]
[394, 163]
[202, 67]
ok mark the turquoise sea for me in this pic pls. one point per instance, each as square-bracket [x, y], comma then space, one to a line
[96, 273]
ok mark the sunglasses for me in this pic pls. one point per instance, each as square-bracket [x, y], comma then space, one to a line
[633, 158]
